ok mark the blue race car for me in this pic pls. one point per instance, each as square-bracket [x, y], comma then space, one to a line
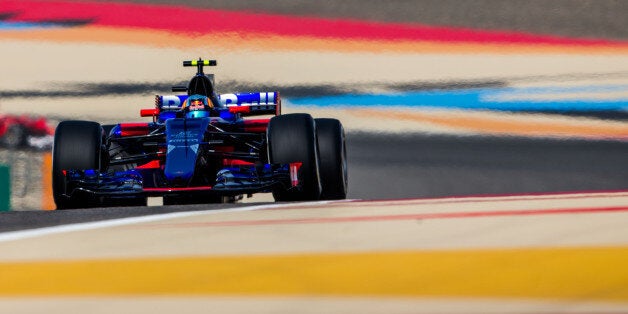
[200, 148]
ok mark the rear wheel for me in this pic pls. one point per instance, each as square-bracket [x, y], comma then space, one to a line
[292, 139]
[77, 146]
[333, 159]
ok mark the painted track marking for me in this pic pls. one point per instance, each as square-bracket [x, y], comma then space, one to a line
[25, 234]
[554, 273]
[583, 274]
[448, 215]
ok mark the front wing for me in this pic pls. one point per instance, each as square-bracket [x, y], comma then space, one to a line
[133, 184]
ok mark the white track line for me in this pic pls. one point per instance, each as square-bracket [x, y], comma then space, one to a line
[25, 234]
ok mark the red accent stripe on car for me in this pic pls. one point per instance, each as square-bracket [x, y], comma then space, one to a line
[155, 164]
[133, 129]
[235, 163]
[239, 109]
[256, 125]
[294, 173]
[149, 112]
[183, 189]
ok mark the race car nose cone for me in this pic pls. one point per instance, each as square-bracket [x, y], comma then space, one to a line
[183, 137]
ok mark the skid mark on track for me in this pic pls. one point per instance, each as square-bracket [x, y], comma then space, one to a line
[472, 199]
[423, 216]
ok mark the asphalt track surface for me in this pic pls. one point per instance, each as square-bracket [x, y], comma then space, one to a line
[386, 166]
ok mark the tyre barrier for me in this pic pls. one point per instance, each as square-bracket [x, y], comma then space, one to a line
[27, 185]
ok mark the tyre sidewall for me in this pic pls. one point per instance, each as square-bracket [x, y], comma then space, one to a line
[77, 146]
[333, 160]
[292, 138]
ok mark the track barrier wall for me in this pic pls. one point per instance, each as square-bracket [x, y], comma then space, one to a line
[25, 180]
[5, 188]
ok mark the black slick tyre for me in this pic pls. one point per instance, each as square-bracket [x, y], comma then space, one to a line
[77, 146]
[292, 138]
[333, 159]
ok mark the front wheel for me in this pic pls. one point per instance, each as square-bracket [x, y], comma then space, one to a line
[292, 139]
[77, 146]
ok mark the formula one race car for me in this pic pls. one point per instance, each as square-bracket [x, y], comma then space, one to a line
[24, 132]
[199, 148]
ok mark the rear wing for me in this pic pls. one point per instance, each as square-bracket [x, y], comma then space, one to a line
[252, 104]
[245, 104]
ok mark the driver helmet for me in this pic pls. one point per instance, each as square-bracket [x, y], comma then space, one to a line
[197, 106]
[197, 102]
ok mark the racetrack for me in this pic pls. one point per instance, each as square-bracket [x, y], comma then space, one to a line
[508, 254]
[416, 241]
[417, 165]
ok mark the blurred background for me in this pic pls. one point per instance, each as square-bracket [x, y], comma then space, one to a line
[438, 98]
